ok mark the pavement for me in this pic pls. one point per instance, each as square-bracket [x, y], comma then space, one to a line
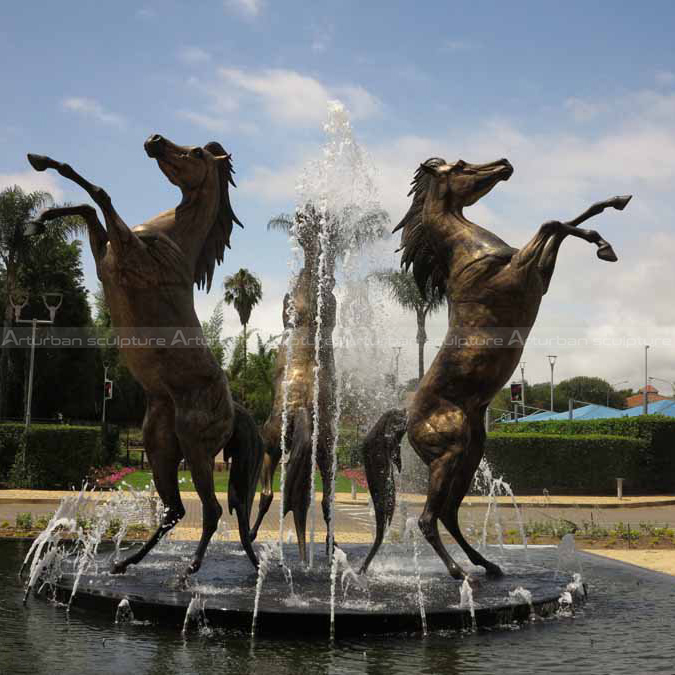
[354, 519]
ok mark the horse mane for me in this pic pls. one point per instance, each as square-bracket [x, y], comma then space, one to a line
[218, 237]
[428, 271]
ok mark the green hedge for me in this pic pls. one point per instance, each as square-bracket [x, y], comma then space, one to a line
[567, 464]
[56, 455]
[657, 470]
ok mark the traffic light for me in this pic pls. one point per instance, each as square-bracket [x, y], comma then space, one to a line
[107, 389]
[516, 392]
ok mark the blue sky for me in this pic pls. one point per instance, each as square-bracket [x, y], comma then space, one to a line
[579, 96]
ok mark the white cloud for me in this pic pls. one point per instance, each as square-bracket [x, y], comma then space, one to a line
[91, 108]
[249, 8]
[194, 56]
[283, 97]
[294, 98]
[32, 181]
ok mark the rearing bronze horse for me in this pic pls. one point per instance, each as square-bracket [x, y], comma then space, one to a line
[490, 287]
[147, 275]
[295, 383]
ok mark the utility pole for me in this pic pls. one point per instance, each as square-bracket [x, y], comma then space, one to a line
[645, 404]
[551, 360]
[522, 385]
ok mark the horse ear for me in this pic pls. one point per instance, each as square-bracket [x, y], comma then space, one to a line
[431, 170]
[216, 149]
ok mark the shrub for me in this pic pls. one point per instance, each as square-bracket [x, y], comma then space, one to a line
[110, 443]
[566, 464]
[11, 438]
[24, 521]
[54, 456]
[657, 470]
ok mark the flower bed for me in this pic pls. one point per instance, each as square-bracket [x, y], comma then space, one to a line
[106, 477]
[357, 475]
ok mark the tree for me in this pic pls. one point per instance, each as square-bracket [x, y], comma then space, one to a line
[590, 390]
[17, 209]
[403, 289]
[65, 376]
[128, 402]
[243, 290]
[212, 330]
[258, 380]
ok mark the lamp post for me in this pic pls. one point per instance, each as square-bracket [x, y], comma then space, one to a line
[660, 379]
[397, 356]
[18, 300]
[522, 386]
[551, 360]
[645, 403]
[611, 386]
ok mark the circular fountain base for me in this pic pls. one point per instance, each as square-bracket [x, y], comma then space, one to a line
[388, 602]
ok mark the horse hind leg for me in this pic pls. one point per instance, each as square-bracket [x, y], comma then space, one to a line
[164, 455]
[450, 520]
[458, 489]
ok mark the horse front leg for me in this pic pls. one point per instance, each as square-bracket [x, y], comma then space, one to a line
[98, 237]
[118, 231]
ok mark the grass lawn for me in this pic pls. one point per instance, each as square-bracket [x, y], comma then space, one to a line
[139, 479]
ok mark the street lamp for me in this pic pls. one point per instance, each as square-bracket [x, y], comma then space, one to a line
[551, 360]
[19, 299]
[660, 379]
[522, 386]
[611, 386]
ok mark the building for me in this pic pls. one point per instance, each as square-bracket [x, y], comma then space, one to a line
[652, 396]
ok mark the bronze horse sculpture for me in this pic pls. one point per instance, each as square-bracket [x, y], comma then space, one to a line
[490, 287]
[294, 386]
[147, 273]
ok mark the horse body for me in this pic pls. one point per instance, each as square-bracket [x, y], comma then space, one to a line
[494, 292]
[147, 275]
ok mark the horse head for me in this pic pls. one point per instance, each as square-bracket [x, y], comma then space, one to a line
[462, 184]
[203, 176]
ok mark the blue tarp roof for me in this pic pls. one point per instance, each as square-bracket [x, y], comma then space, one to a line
[594, 412]
[665, 407]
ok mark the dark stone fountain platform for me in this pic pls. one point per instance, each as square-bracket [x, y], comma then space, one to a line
[226, 584]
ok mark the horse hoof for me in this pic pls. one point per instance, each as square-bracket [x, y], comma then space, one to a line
[118, 568]
[493, 571]
[606, 252]
[38, 162]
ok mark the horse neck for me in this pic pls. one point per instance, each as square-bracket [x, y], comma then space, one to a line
[457, 240]
[195, 216]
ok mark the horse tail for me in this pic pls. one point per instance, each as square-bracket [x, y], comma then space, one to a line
[245, 447]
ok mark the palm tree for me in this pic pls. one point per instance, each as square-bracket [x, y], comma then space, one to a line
[305, 226]
[244, 291]
[403, 289]
[17, 210]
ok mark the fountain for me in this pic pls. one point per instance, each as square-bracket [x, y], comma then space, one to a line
[417, 583]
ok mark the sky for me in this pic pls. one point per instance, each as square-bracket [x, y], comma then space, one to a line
[579, 96]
